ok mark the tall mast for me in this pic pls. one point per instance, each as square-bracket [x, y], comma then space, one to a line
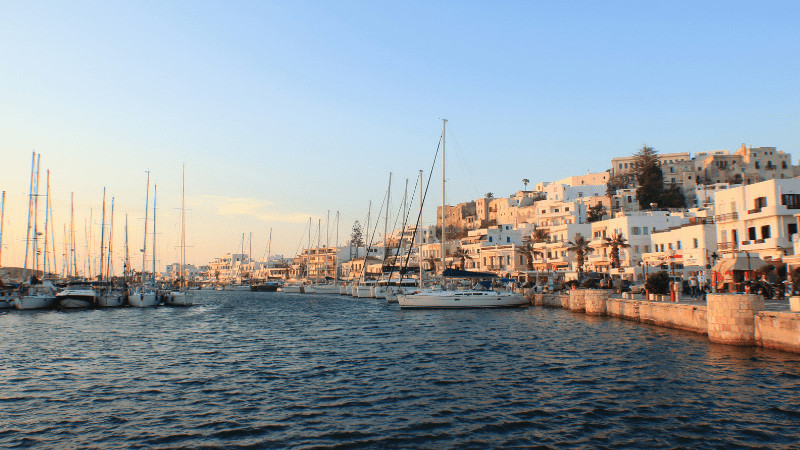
[419, 235]
[155, 198]
[110, 231]
[308, 252]
[183, 226]
[269, 252]
[35, 218]
[327, 240]
[74, 265]
[127, 254]
[46, 216]
[144, 246]
[386, 219]
[102, 236]
[52, 230]
[319, 229]
[2, 215]
[250, 256]
[65, 260]
[444, 121]
[366, 243]
[28, 233]
[336, 255]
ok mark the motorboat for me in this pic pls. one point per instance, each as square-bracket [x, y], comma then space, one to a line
[143, 296]
[77, 295]
[269, 286]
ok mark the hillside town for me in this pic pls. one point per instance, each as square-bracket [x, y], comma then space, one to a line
[706, 208]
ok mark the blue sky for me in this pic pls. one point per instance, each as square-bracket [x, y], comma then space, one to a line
[284, 110]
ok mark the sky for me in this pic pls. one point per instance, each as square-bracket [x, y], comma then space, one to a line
[285, 111]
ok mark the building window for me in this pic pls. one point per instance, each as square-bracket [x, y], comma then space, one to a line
[751, 233]
[635, 249]
[490, 239]
[646, 231]
[680, 247]
[792, 229]
[508, 239]
[765, 232]
[757, 165]
[696, 243]
[669, 245]
[647, 249]
[792, 201]
[636, 231]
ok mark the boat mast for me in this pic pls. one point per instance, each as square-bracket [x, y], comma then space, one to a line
[183, 226]
[28, 233]
[127, 254]
[386, 220]
[444, 122]
[319, 229]
[419, 235]
[74, 265]
[155, 198]
[336, 255]
[144, 245]
[327, 240]
[250, 258]
[366, 244]
[269, 252]
[46, 216]
[110, 233]
[64, 269]
[35, 255]
[52, 229]
[102, 236]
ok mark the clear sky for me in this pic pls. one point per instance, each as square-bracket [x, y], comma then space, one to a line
[282, 111]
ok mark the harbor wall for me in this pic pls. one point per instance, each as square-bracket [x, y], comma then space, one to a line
[732, 319]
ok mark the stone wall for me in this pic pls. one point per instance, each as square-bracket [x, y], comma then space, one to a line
[731, 318]
[778, 330]
[576, 300]
[673, 315]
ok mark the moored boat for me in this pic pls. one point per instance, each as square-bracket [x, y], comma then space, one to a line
[77, 295]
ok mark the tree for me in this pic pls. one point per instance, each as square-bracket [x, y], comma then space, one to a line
[649, 177]
[620, 180]
[489, 195]
[673, 198]
[356, 236]
[525, 181]
[463, 255]
[431, 261]
[580, 246]
[595, 213]
[616, 242]
[528, 251]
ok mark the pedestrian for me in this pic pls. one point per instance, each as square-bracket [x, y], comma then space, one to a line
[618, 285]
[693, 285]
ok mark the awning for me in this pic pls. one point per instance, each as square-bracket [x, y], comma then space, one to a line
[602, 263]
[455, 273]
[749, 262]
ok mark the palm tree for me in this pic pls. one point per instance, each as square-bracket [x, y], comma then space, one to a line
[538, 235]
[616, 242]
[525, 181]
[528, 251]
[580, 246]
[463, 255]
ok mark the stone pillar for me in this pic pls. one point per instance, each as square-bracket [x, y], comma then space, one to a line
[596, 301]
[576, 300]
[731, 318]
[794, 304]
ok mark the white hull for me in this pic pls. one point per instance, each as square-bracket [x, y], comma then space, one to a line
[35, 302]
[6, 304]
[461, 299]
[180, 298]
[362, 291]
[343, 290]
[112, 300]
[7, 298]
[239, 287]
[143, 300]
[80, 296]
[327, 289]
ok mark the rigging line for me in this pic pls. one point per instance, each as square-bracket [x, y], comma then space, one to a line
[377, 221]
[402, 233]
[419, 215]
[302, 235]
[464, 165]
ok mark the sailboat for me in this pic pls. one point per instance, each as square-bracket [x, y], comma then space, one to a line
[33, 293]
[141, 295]
[451, 298]
[183, 296]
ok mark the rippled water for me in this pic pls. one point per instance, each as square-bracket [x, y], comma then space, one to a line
[273, 370]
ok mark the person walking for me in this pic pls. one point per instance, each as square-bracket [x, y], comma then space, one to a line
[693, 285]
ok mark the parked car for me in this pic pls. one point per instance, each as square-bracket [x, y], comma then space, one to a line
[637, 287]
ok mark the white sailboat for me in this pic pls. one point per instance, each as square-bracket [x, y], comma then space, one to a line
[183, 296]
[144, 296]
[450, 298]
[34, 294]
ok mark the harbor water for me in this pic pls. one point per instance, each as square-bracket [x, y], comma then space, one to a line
[273, 370]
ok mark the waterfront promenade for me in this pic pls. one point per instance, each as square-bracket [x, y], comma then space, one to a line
[733, 319]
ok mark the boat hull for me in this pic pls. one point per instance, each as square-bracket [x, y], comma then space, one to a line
[461, 300]
[35, 302]
[180, 298]
[264, 287]
[143, 300]
[293, 289]
[113, 300]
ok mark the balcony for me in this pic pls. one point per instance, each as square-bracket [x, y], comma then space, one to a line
[727, 246]
[730, 217]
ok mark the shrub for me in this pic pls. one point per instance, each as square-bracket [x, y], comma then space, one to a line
[589, 283]
[658, 283]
